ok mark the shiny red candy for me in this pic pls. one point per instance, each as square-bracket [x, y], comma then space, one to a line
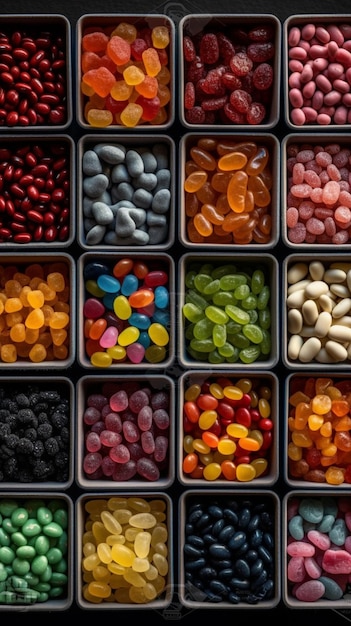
[229, 76]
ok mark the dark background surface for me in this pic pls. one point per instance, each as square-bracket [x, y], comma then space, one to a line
[73, 10]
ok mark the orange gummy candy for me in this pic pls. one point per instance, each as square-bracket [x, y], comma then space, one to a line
[119, 50]
[100, 79]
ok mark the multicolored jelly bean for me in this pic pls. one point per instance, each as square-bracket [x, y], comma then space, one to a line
[228, 429]
[127, 311]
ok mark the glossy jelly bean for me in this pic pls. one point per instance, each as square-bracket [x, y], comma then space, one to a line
[206, 340]
[220, 90]
[129, 76]
[143, 562]
[243, 193]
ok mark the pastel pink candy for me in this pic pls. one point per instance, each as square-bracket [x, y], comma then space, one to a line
[337, 562]
[296, 569]
[320, 540]
[312, 568]
[310, 591]
[301, 548]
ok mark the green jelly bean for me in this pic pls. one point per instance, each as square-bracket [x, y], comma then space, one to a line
[44, 515]
[197, 299]
[31, 579]
[39, 564]
[25, 552]
[7, 554]
[240, 341]
[7, 507]
[31, 528]
[52, 530]
[212, 287]
[19, 516]
[215, 358]
[222, 298]
[242, 292]
[250, 302]
[189, 332]
[192, 312]
[5, 539]
[253, 333]
[202, 345]
[46, 576]
[20, 566]
[18, 539]
[227, 351]
[203, 329]
[62, 543]
[54, 555]
[253, 316]
[250, 354]
[42, 597]
[264, 318]
[201, 281]
[219, 335]
[230, 282]
[8, 525]
[55, 592]
[266, 343]
[216, 315]
[224, 270]
[263, 297]
[42, 544]
[237, 314]
[59, 578]
[257, 281]
[42, 587]
[189, 279]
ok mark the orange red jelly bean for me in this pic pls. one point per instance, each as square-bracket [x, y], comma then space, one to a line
[126, 75]
[227, 429]
[34, 312]
[227, 189]
[319, 430]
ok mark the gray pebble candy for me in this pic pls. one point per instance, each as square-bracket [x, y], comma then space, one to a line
[134, 163]
[94, 186]
[112, 154]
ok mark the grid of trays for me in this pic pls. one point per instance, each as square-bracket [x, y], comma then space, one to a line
[278, 340]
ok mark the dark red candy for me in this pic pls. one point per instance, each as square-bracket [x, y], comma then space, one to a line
[188, 49]
[262, 77]
[241, 64]
[260, 52]
[256, 113]
[240, 100]
[209, 49]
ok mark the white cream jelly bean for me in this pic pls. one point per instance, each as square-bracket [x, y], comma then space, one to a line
[318, 301]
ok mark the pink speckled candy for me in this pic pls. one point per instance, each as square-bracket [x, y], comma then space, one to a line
[301, 548]
[310, 591]
[320, 540]
[296, 569]
[337, 562]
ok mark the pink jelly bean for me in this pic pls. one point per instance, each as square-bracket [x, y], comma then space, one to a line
[300, 548]
[337, 562]
[108, 338]
[310, 591]
[320, 540]
[296, 569]
[313, 569]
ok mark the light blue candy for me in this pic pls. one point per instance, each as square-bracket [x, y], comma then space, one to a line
[296, 527]
[312, 510]
[338, 533]
[332, 590]
[108, 283]
[161, 297]
[139, 320]
[129, 285]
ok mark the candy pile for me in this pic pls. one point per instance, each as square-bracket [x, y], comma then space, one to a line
[125, 75]
[125, 550]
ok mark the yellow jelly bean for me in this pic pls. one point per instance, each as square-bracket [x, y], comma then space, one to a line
[207, 419]
[128, 336]
[158, 334]
[238, 431]
[212, 471]
[233, 392]
[245, 472]
[226, 446]
[35, 319]
[260, 465]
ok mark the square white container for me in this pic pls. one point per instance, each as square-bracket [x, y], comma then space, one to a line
[156, 261]
[89, 385]
[65, 388]
[264, 379]
[34, 24]
[271, 145]
[294, 384]
[193, 596]
[142, 144]
[297, 329]
[313, 141]
[300, 22]
[243, 263]
[108, 22]
[55, 604]
[292, 500]
[165, 597]
[231, 25]
[48, 145]
[54, 259]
